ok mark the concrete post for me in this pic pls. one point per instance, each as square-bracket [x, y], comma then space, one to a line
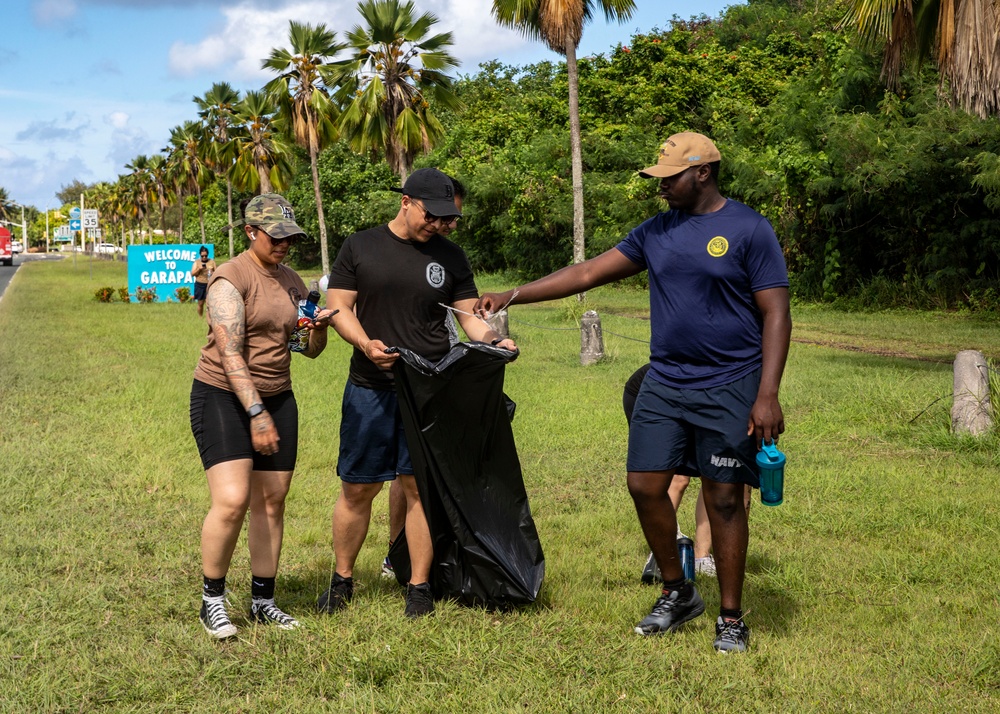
[970, 412]
[591, 338]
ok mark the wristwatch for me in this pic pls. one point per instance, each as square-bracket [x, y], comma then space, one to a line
[255, 409]
[497, 341]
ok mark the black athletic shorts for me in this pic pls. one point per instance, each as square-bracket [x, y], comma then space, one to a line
[199, 290]
[221, 428]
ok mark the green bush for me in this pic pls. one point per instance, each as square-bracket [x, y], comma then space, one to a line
[124, 295]
[105, 294]
[183, 294]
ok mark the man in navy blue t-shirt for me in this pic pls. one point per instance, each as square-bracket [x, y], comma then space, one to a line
[720, 331]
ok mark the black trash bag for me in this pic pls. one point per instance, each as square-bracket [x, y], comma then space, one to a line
[457, 423]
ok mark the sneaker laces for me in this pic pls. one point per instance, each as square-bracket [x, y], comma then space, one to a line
[665, 603]
[731, 630]
[272, 612]
[215, 610]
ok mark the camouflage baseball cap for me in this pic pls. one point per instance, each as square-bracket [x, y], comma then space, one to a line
[273, 214]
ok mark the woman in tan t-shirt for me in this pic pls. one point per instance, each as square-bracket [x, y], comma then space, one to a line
[243, 411]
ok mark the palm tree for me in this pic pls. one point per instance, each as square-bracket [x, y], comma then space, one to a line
[141, 191]
[5, 204]
[559, 24]
[216, 110]
[963, 36]
[159, 184]
[303, 99]
[262, 154]
[189, 166]
[385, 84]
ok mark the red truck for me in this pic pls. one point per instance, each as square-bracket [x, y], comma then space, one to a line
[6, 252]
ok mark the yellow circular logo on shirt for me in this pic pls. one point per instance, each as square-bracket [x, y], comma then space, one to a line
[718, 246]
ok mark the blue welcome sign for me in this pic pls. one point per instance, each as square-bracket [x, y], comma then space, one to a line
[163, 268]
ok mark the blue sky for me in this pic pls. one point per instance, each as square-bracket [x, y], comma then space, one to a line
[86, 85]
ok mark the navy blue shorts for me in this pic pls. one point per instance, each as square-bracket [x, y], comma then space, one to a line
[704, 429]
[199, 290]
[221, 428]
[372, 443]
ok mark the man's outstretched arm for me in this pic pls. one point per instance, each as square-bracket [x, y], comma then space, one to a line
[606, 268]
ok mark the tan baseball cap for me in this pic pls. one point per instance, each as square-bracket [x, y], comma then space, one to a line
[682, 151]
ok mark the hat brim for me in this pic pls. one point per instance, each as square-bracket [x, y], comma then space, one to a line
[282, 229]
[440, 208]
[661, 171]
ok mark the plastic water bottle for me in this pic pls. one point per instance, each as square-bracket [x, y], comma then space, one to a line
[685, 549]
[308, 308]
[772, 474]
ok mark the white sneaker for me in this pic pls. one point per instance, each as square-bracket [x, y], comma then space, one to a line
[705, 566]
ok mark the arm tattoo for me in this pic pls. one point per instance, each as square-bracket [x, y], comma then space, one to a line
[227, 317]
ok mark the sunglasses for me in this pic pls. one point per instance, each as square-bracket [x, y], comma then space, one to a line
[431, 218]
[291, 240]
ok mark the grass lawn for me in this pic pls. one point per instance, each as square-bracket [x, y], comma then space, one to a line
[872, 588]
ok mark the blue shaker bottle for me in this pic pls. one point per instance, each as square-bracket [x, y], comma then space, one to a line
[685, 549]
[772, 474]
[308, 308]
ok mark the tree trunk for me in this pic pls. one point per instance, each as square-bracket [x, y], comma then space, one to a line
[201, 219]
[576, 156]
[180, 221]
[265, 179]
[229, 212]
[323, 251]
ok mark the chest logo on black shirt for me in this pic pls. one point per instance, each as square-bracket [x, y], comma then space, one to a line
[718, 246]
[435, 275]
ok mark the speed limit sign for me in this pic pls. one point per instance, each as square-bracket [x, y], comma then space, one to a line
[90, 218]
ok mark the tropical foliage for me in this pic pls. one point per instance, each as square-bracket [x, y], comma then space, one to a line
[304, 101]
[879, 196]
[392, 81]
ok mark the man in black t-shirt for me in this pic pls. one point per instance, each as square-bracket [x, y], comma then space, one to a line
[397, 277]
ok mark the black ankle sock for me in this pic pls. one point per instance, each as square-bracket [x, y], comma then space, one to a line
[730, 614]
[213, 587]
[261, 588]
[682, 586]
[338, 578]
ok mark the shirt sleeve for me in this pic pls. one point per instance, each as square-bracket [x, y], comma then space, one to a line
[632, 246]
[465, 283]
[765, 260]
[343, 272]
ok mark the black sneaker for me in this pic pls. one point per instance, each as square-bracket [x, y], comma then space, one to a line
[214, 617]
[419, 600]
[731, 636]
[337, 596]
[267, 613]
[651, 573]
[670, 612]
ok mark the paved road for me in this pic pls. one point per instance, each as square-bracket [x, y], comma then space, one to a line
[20, 259]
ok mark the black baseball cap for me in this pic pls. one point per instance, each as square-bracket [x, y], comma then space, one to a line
[434, 189]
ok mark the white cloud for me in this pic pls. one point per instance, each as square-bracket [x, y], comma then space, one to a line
[52, 12]
[249, 33]
[31, 180]
[117, 119]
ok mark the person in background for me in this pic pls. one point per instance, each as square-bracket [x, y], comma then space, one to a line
[244, 416]
[201, 271]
